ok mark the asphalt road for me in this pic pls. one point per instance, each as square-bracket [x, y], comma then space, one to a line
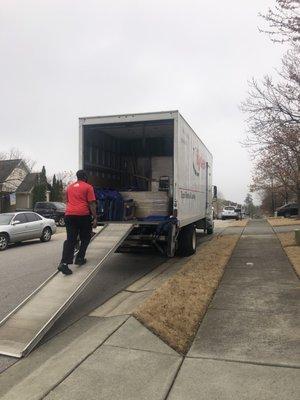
[25, 266]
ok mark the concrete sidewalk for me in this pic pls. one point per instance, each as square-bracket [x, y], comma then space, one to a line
[247, 346]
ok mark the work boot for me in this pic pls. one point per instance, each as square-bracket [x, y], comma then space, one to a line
[64, 269]
[80, 261]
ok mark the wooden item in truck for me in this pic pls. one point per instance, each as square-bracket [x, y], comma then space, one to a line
[149, 203]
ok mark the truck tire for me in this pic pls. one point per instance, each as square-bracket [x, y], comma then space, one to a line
[210, 230]
[187, 241]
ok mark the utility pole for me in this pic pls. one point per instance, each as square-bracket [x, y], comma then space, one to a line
[273, 198]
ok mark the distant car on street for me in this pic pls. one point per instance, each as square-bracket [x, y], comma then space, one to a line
[229, 212]
[287, 210]
[19, 226]
[51, 209]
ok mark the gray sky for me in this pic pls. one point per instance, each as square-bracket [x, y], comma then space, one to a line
[64, 59]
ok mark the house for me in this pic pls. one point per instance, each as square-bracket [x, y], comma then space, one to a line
[24, 192]
[12, 173]
[16, 185]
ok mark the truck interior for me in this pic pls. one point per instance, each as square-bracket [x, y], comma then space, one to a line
[135, 160]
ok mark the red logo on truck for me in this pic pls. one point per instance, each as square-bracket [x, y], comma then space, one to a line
[198, 161]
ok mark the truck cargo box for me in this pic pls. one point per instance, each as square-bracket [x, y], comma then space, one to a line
[155, 159]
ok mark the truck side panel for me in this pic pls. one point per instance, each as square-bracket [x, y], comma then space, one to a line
[193, 166]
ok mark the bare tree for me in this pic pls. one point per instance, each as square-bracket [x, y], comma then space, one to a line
[273, 139]
[277, 169]
[284, 21]
[277, 155]
[16, 154]
[66, 177]
[273, 107]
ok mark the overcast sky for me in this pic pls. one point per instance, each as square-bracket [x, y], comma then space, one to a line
[65, 59]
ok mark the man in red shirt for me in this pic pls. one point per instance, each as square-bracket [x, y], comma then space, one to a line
[81, 204]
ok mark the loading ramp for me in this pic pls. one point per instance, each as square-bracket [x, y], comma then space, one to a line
[24, 327]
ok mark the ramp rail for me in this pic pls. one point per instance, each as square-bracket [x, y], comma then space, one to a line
[24, 327]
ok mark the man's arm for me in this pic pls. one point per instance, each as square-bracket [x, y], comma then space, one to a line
[92, 205]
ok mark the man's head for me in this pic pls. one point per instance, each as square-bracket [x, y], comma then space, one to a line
[82, 175]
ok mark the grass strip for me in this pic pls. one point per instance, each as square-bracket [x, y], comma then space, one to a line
[277, 221]
[288, 243]
[240, 223]
[175, 310]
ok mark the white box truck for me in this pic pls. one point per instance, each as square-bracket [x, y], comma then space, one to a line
[158, 163]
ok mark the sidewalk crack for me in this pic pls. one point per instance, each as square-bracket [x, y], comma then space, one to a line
[174, 379]
[144, 350]
[229, 360]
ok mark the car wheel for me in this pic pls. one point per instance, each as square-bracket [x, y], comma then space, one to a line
[46, 235]
[61, 221]
[187, 241]
[287, 214]
[4, 240]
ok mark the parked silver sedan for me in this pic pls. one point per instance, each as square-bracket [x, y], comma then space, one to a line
[19, 226]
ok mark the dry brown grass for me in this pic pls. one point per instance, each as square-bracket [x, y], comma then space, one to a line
[240, 223]
[175, 310]
[287, 240]
[274, 221]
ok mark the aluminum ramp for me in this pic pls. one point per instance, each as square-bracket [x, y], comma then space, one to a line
[24, 327]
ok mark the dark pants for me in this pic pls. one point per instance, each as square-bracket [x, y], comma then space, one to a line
[76, 226]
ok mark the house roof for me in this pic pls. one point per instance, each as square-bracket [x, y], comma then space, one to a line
[28, 183]
[7, 167]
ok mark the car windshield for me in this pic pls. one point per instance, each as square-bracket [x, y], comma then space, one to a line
[60, 206]
[6, 218]
[229, 208]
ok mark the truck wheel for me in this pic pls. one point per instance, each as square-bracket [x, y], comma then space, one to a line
[187, 241]
[210, 230]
